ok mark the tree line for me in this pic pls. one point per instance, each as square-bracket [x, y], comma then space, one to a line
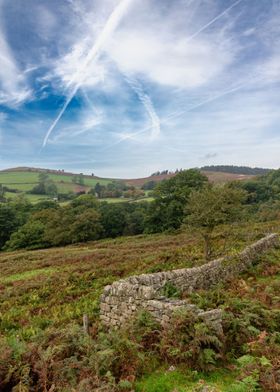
[185, 200]
[246, 170]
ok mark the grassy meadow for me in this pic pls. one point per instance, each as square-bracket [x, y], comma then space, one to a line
[51, 290]
[24, 181]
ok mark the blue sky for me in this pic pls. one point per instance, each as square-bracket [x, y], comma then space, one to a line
[123, 88]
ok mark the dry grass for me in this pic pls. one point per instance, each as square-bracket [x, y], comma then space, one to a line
[56, 286]
[215, 177]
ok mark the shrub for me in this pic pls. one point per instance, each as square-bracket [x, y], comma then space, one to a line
[189, 340]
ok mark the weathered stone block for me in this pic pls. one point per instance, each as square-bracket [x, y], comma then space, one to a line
[122, 299]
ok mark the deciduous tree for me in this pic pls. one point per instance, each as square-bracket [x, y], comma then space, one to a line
[212, 206]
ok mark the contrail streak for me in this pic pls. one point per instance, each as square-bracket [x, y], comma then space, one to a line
[214, 20]
[179, 113]
[79, 77]
[209, 100]
[148, 105]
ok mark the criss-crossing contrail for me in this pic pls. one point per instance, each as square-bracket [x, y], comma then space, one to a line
[180, 113]
[79, 77]
[214, 20]
[148, 105]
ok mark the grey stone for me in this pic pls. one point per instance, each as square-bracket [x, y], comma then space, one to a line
[123, 298]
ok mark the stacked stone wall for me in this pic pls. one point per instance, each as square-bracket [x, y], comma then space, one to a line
[121, 300]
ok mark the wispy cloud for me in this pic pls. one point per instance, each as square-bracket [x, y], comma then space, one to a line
[148, 105]
[179, 64]
[13, 86]
[213, 20]
[77, 80]
[182, 79]
[75, 132]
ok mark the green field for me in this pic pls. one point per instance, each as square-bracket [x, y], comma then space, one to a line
[24, 181]
[14, 178]
[25, 177]
[45, 293]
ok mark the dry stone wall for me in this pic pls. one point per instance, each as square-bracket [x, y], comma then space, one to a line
[121, 300]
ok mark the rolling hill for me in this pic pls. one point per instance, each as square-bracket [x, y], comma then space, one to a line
[23, 179]
[213, 176]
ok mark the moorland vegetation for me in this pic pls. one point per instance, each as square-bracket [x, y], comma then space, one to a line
[45, 293]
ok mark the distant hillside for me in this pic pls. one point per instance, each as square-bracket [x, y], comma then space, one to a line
[23, 179]
[213, 176]
[41, 170]
[246, 170]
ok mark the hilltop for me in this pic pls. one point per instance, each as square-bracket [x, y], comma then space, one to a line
[213, 176]
[245, 170]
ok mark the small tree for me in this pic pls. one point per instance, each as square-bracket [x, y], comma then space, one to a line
[45, 186]
[170, 197]
[51, 189]
[213, 206]
[81, 180]
[43, 178]
[78, 179]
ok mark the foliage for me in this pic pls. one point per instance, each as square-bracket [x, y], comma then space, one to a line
[60, 226]
[2, 193]
[263, 189]
[167, 210]
[78, 179]
[170, 291]
[210, 207]
[236, 169]
[12, 216]
[8, 223]
[113, 219]
[44, 294]
[28, 236]
[165, 213]
[149, 185]
[190, 340]
[45, 186]
[116, 189]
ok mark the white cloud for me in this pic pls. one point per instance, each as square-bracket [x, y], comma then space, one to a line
[176, 63]
[13, 86]
[148, 105]
[66, 67]
[149, 45]
[92, 55]
[205, 82]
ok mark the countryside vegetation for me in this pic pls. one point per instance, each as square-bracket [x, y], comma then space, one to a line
[58, 254]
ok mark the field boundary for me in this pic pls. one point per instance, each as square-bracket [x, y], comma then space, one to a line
[124, 298]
